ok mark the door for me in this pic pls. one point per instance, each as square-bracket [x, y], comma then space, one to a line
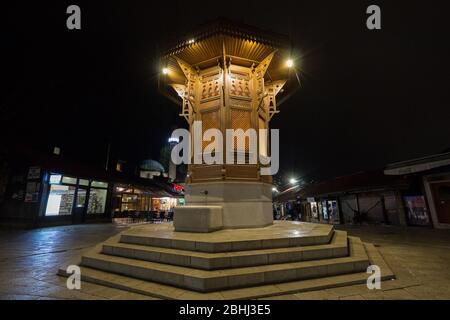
[79, 210]
[441, 195]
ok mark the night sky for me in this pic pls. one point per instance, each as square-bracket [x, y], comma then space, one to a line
[367, 98]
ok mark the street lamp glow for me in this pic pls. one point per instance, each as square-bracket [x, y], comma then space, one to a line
[292, 181]
[289, 63]
[165, 70]
[274, 189]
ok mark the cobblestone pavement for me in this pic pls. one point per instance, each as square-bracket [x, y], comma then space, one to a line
[419, 258]
[29, 260]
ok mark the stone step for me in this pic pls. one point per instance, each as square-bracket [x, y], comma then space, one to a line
[163, 291]
[208, 281]
[223, 260]
[279, 235]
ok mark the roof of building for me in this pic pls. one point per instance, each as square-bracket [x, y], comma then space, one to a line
[357, 182]
[418, 164]
[152, 165]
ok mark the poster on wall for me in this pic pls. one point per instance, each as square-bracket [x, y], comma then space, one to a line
[34, 173]
[416, 210]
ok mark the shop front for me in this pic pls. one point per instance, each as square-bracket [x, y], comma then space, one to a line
[166, 204]
[47, 190]
[429, 204]
[333, 211]
[323, 210]
[315, 217]
[75, 199]
[143, 203]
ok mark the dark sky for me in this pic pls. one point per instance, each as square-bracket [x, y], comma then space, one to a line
[368, 97]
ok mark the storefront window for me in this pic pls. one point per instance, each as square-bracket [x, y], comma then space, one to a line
[129, 202]
[144, 202]
[129, 198]
[97, 201]
[135, 202]
[81, 198]
[314, 211]
[99, 184]
[156, 204]
[69, 180]
[60, 200]
[83, 182]
[320, 210]
[141, 199]
[333, 211]
[164, 204]
[324, 210]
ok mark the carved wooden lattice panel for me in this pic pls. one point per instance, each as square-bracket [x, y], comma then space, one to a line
[241, 119]
[210, 86]
[240, 85]
[210, 120]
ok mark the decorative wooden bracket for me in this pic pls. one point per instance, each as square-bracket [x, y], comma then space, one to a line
[273, 88]
[264, 65]
[188, 71]
[186, 106]
[186, 92]
[179, 88]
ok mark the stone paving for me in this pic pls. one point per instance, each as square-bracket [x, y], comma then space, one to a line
[29, 260]
[419, 258]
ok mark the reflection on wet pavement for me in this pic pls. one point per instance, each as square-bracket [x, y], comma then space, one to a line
[29, 260]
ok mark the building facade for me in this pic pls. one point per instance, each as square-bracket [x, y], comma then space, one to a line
[433, 172]
[365, 197]
[409, 193]
[45, 190]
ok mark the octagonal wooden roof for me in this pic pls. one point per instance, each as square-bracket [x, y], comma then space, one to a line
[245, 45]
